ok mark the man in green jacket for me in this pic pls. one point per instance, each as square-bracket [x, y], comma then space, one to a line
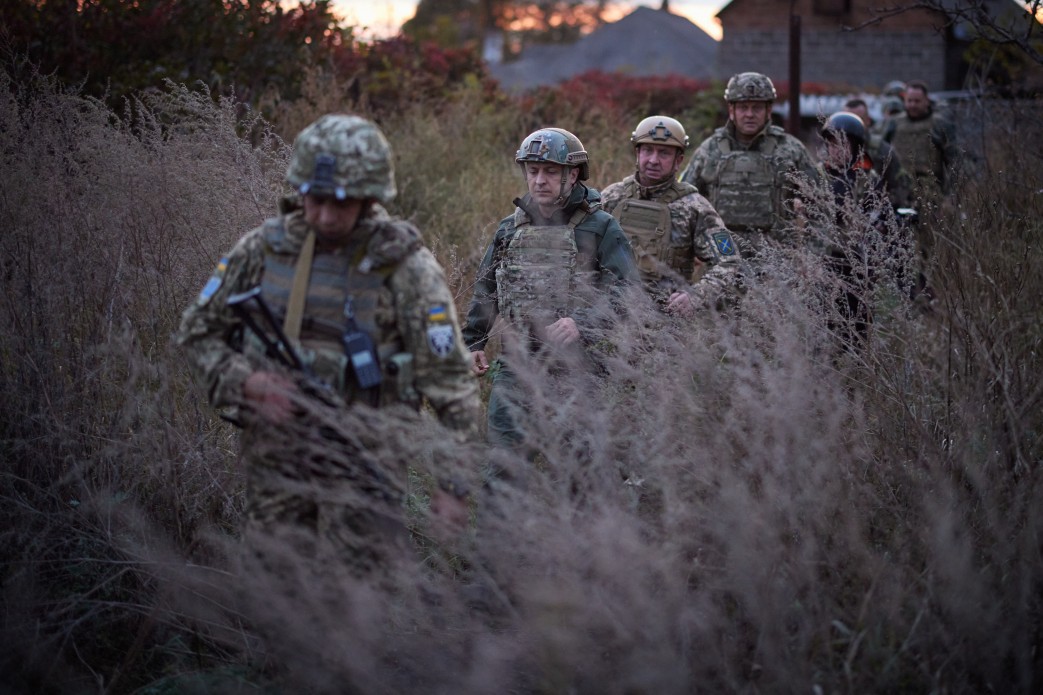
[547, 270]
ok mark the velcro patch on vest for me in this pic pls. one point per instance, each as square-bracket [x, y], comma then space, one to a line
[724, 243]
[440, 336]
[214, 283]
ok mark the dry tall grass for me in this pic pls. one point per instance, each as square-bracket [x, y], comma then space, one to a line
[733, 505]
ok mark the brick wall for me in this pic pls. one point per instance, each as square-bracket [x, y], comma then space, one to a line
[770, 14]
[852, 60]
[906, 47]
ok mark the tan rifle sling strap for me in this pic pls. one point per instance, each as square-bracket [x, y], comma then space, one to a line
[299, 292]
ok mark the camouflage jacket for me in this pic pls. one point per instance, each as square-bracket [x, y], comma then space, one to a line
[780, 154]
[699, 248]
[411, 314]
[602, 250]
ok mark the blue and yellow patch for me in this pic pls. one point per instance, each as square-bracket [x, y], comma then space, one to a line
[214, 283]
[724, 243]
[437, 314]
[441, 338]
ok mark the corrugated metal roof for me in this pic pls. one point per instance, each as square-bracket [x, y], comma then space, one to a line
[823, 105]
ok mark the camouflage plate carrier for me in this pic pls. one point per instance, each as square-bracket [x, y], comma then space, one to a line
[536, 277]
[746, 191]
[921, 155]
[320, 346]
[648, 225]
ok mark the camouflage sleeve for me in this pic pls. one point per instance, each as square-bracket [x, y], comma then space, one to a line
[426, 314]
[712, 244]
[611, 196]
[484, 308]
[208, 326]
[694, 172]
[798, 165]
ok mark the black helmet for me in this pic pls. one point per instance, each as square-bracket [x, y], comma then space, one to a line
[847, 123]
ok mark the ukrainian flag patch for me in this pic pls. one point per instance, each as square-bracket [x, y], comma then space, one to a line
[214, 283]
[437, 314]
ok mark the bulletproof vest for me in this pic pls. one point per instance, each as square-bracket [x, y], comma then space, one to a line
[648, 225]
[745, 191]
[332, 278]
[912, 140]
[536, 275]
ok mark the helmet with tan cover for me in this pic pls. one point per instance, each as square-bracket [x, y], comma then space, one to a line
[342, 156]
[660, 130]
[749, 86]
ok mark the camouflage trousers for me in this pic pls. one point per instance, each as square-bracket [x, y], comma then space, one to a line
[325, 522]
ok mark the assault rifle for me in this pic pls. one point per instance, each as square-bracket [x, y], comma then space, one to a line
[278, 348]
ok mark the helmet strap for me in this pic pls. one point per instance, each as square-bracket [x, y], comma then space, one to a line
[563, 194]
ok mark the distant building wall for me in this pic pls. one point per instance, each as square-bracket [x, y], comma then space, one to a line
[855, 60]
[913, 45]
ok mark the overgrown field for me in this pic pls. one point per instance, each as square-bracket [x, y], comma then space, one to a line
[735, 504]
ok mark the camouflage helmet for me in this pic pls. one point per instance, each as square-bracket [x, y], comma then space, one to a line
[893, 105]
[660, 130]
[894, 88]
[749, 86]
[343, 157]
[556, 146]
[848, 124]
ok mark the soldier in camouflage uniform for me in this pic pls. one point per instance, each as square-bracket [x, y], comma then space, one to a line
[927, 142]
[547, 266]
[746, 167]
[685, 253]
[363, 302]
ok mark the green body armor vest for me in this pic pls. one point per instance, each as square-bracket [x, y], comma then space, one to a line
[912, 140]
[320, 346]
[746, 192]
[648, 225]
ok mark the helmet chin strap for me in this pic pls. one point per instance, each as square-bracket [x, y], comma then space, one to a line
[563, 194]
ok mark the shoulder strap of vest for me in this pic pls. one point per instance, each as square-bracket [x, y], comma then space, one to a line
[578, 216]
[770, 140]
[677, 190]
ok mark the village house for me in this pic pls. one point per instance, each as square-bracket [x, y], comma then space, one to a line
[917, 44]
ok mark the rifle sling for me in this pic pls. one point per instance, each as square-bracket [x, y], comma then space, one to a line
[299, 291]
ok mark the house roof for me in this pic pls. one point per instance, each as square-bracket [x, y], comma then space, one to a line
[645, 42]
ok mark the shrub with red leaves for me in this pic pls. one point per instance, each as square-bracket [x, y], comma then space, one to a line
[401, 69]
